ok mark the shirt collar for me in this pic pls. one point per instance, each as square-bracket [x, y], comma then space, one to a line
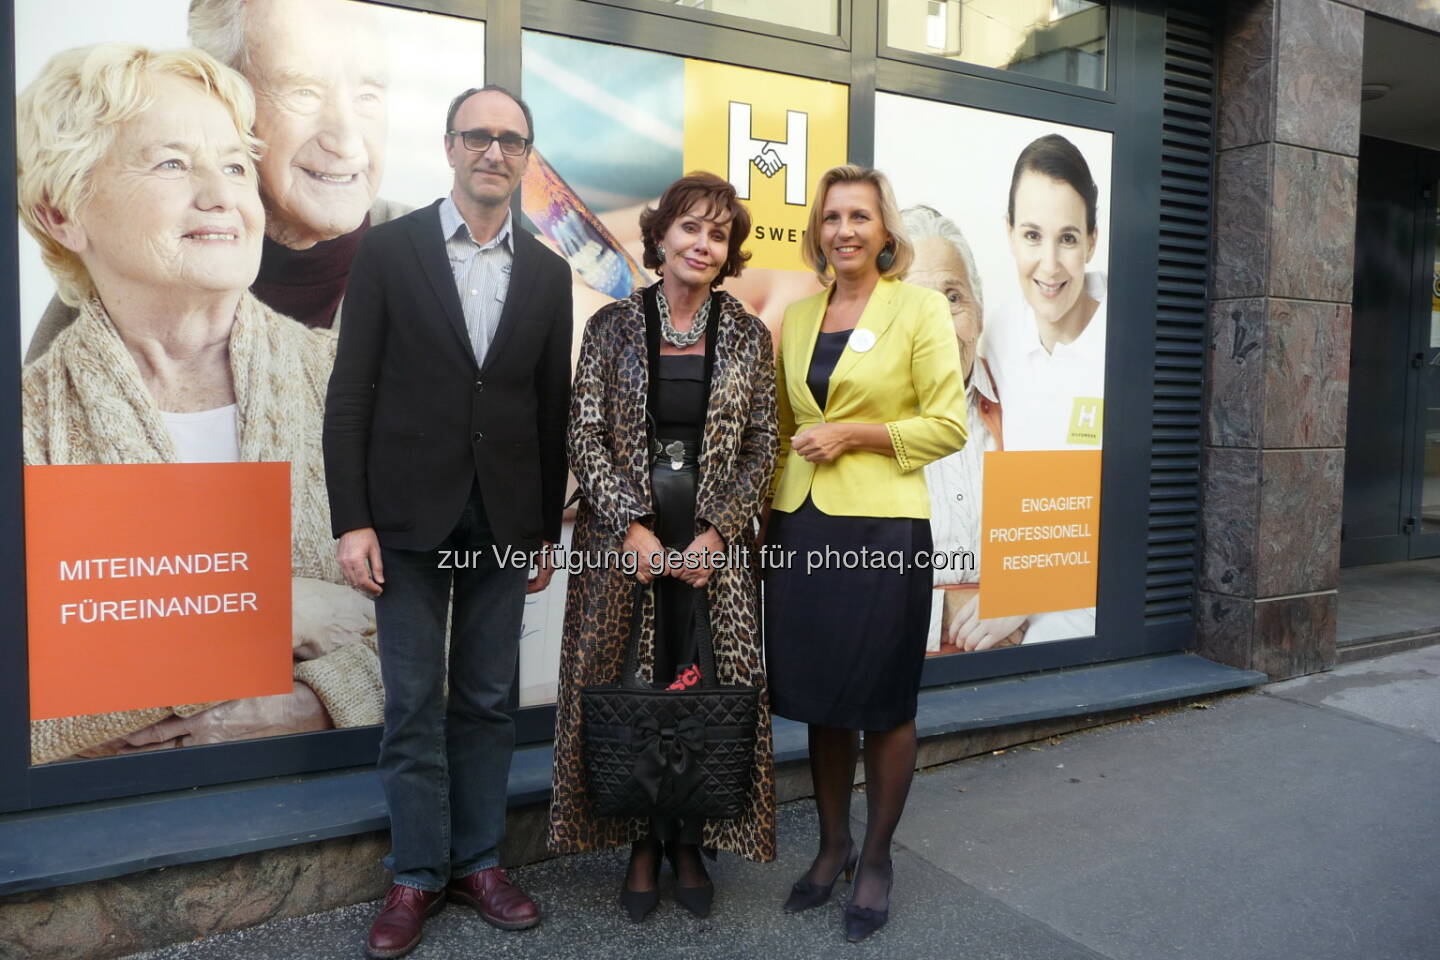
[980, 381]
[451, 224]
[1091, 341]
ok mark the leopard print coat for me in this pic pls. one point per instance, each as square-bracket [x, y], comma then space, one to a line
[609, 457]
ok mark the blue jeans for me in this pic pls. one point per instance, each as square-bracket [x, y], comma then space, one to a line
[444, 765]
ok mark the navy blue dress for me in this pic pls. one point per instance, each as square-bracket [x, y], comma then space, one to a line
[845, 643]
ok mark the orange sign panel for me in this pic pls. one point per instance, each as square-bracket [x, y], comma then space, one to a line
[156, 584]
[1041, 531]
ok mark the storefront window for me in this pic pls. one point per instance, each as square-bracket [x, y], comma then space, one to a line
[182, 585]
[822, 16]
[1016, 238]
[1060, 40]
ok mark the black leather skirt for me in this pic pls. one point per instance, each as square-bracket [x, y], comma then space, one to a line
[674, 482]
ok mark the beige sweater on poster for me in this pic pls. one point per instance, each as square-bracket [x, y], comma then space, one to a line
[84, 402]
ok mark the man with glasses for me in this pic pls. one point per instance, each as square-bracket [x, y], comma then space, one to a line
[445, 460]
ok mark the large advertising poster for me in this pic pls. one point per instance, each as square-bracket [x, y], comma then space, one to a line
[179, 285]
[1011, 220]
[618, 126]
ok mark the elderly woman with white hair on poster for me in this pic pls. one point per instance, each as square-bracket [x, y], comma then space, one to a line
[944, 263]
[320, 73]
[137, 176]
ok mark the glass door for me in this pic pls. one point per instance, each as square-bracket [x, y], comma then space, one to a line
[1425, 538]
[1392, 446]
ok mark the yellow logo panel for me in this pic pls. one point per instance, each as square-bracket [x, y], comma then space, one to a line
[1087, 420]
[772, 136]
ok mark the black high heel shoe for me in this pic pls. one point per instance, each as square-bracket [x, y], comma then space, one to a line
[807, 893]
[698, 900]
[638, 903]
[861, 922]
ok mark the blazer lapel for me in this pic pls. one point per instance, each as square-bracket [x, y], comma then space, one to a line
[877, 316]
[797, 361]
[435, 263]
[522, 272]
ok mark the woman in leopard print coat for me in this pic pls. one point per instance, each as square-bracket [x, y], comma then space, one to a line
[611, 458]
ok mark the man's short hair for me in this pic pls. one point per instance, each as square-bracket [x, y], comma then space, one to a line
[459, 101]
[218, 28]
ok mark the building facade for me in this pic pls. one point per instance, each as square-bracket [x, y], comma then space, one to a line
[1185, 486]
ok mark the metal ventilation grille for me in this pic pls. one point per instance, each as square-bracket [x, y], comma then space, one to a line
[1187, 154]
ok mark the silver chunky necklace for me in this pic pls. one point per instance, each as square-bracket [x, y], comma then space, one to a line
[667, 329]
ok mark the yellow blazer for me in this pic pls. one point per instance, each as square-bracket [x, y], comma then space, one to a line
[909, 380]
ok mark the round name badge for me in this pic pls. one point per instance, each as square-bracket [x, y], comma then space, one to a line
[862, 339]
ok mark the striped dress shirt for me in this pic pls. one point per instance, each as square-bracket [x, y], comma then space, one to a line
[482, 274]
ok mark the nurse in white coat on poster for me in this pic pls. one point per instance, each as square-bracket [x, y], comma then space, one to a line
[1047, 355]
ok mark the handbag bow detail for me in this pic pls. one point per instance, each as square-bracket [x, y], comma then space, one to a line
[669, 756]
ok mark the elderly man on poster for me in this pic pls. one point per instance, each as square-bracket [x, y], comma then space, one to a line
[319, 69]
[445, 458]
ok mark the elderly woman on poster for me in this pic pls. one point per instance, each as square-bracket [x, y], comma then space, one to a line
[672, 441]
[945, 264]
[137, 176]
[319, 70]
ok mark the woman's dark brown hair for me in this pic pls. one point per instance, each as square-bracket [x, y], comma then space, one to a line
[683, 195]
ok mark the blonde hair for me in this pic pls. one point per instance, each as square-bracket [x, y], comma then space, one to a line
[65, 123]
[810, 250]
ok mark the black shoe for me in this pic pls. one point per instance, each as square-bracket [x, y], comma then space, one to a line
[638, 903]
[861, 922]
[807, 893]
[697, 900]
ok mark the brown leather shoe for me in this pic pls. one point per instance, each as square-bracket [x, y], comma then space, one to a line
[500, 903]
[401, 921]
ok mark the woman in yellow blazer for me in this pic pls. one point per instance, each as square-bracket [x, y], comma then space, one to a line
[870, 390]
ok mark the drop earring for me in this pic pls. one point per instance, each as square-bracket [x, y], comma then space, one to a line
[821, 262]
[886, 258]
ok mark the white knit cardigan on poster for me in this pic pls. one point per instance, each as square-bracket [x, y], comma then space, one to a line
[83, 401]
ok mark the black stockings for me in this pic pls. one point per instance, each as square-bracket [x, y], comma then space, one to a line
[645, 858]
[644, 865]
[833, 751]
[889, 768]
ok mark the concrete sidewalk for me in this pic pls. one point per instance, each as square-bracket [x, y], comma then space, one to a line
[1302, 822]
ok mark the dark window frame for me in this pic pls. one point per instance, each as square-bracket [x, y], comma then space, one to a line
[840, 39]
[1008, 76]
[1130, 109]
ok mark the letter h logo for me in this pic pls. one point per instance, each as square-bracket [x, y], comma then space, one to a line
[771, 156]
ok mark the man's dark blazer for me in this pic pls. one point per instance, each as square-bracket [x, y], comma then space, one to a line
[411, 422]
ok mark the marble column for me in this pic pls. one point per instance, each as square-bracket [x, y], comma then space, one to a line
[1283, 258]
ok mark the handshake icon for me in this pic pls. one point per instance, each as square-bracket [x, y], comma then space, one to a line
[770, 157]
[768, 160]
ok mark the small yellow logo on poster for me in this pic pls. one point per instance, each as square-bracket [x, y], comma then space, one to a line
[771, 135]
[1087, 420]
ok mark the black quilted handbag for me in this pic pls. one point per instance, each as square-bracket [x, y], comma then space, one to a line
[669, 753]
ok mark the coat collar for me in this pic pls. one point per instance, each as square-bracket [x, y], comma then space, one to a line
[425, 233]
[429, 241]
[879, 313]
[522, 283]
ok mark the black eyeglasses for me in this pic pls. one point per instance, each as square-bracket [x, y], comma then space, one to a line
[511, 144]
